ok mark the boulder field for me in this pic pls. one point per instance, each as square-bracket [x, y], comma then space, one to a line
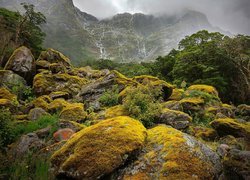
[193, 136]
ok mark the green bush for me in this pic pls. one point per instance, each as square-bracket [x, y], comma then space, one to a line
[209, 99]
[110, 97]
[23, 92]
[143, 104]
[7, 135]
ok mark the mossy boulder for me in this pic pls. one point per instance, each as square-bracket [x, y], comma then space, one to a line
[176, 119]
[173, 105]
[6, 94]
[228, 126]
[45, 83]
[207, 134]
[88, 72]
[171, 154]
[36, 113]
[42, 102]
[177, 94]
[22, 62]
[205, 88]
[57, 105]
[57, 68]
[115, 111]
[53, 56]
[100, 149]
[155, 82]
[59, 94]
[11, 80]
[243, 111]
[73, 112]
[192, 104]
[42, 64]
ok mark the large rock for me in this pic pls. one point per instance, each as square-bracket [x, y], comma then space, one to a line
[176, 119]
[22, 62]
[204, 88]
[171, 154]
[73, 112]
[53, 56]
[228, 126]
[10, 80]
[45, 83]
[27, 143]
[98, 150]
[36, 113]
[237, 165]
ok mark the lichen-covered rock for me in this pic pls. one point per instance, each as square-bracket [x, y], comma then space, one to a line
[57, 105]
[205, 88]
[115, 111]
[98, 150]
[10, 80]
[36, 113]
[91, 92]
[155, 82]
[42, 64]
[6, 94]
[57, 68]
[228, 126]
[71, 125]
[177, 94]
[237, 164]
[243, 111]
[176, 119]
[53, 56]
[171, 154]
[59, 94]
[22, 62]
[45, 83]
[88, 72]
[207, 134]
[173, 105]
[73, 112]
[42, 102]
[192, 104]
[63, 134]
[27, 143]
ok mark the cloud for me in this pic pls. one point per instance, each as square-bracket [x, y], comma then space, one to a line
[232, 15]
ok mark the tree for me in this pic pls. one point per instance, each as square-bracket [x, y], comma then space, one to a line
[18, 30]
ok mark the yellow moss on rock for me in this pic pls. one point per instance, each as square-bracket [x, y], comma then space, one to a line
[73, 112]
[176, 94]
[169, 154]
[99, 149]
[5, 103]
[204, 88]
[228, 126]
[57, 105]
[44, 83]
[6, 94]
[42, 102]
[194, 100]
[115, 111]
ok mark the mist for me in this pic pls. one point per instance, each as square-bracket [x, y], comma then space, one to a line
[229, 15]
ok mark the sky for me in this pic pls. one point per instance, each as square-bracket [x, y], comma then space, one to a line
[229, 15]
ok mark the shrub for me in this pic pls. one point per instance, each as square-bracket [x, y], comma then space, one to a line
[208, 98]
[110, 97]
[23, 92]
[142, 103]
[6, 128]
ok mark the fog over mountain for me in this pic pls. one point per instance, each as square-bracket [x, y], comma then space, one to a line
[230, 15]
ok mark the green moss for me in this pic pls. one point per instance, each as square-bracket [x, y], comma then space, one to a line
[99, 149]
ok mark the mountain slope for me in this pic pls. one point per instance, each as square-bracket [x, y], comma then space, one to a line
[124, 37]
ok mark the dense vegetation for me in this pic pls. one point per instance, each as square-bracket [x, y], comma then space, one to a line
[202, 58]
[18, 29]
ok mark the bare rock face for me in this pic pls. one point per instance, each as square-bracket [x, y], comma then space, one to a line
[22, 62]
